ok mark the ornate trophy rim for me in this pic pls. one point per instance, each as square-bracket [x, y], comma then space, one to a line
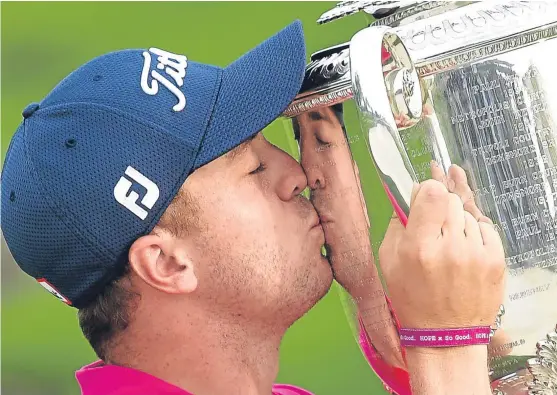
[326, 83]
[386, 12]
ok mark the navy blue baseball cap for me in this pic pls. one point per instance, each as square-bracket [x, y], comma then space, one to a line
[94, 165]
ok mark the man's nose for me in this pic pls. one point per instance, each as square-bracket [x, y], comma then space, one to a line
[312, 166]
[315, 176]
[294, 180]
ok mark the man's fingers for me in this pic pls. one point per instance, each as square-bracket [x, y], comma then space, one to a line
[455, 220]
[459, 185]
[429, 209]
[472, 229]
[437, 172]
[490, 236]
[456, 181]
[458, 175]
[470, 206]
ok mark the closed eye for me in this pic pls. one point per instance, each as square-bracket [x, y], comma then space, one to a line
[259, 169]
[321, 142]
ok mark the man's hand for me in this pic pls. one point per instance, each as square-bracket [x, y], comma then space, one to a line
[446, 269]
[457, 182]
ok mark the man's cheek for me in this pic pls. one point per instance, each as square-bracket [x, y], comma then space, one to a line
[233, 210]
[266, 186]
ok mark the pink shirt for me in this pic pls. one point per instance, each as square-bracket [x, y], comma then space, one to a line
[100, 379]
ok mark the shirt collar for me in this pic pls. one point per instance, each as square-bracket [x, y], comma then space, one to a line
[101, 379]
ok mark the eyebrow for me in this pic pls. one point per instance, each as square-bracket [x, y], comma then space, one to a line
[318, 116]
[314, 116]
[240, 149]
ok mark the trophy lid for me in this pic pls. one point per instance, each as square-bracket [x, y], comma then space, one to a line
[432, 30]
[438, 35]
[326, 81]
[390, 12]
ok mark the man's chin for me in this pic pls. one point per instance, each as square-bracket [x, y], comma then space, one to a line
[322, 288]
[327, 276]
[324, 277]
[317, 285]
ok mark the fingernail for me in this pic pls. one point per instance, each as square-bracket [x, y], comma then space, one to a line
[434, 163]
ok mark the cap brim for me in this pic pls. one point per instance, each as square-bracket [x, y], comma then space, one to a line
[255, 90]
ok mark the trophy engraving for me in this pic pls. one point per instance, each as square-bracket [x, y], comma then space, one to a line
[466, 83]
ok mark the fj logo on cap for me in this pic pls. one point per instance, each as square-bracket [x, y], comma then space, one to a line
[128, 198]
[174, 66]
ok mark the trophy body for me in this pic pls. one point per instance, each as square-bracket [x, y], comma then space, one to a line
[472, 84]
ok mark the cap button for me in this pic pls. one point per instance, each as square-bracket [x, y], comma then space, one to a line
[30, 110]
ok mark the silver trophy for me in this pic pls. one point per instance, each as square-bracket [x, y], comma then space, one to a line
[466, 83]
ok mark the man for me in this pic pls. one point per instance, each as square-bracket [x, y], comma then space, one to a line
[141, 192]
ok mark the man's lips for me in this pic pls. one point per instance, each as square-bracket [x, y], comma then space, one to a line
[316, 228]
[325, 218]
[323, 214]
[315, 223]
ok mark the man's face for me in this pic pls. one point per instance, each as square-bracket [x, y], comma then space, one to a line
[257, 242]
[334, 183]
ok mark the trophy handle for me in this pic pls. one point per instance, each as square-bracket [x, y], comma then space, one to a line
[387, 93]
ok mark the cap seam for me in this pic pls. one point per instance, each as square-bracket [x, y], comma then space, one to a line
[54, 207]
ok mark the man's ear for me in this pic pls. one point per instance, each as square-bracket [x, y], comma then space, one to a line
[162, 264]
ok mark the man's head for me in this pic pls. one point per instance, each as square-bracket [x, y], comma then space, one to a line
[137, 181]
[238, 240]
[334, 182]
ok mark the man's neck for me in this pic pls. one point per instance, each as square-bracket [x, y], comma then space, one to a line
[214, 355]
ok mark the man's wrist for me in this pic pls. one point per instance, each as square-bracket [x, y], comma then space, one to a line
[454, 370]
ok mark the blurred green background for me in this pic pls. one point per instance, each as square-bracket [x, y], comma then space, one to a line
[41, 43]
